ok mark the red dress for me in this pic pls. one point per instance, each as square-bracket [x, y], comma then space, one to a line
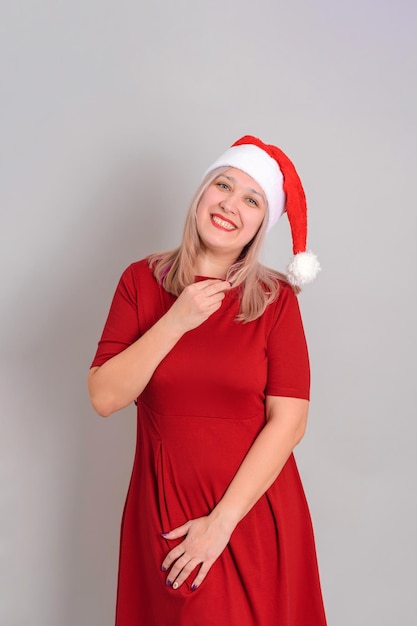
[196, 420]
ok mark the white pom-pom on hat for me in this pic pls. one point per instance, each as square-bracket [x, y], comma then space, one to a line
[303, 269]
[276, 175]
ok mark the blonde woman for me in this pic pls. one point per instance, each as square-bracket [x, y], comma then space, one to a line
[210, 345]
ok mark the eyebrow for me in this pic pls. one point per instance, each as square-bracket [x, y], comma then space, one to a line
[233, 180]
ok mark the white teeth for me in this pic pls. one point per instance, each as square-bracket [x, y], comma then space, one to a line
[222, 223]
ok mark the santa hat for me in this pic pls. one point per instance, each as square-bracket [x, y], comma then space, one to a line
[277, 176]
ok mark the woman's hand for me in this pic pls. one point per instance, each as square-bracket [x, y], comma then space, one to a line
[196, 303]
[205, 539]
[122, 378]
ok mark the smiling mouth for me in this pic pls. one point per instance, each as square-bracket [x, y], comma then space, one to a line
[221, 223]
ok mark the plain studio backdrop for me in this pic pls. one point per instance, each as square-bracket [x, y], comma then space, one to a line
[110, 113]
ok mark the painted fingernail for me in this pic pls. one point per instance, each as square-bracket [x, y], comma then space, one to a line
[175, 585]
[164, 534]
[193, 587]
[164, 569]
[231, 284]
[168, 582]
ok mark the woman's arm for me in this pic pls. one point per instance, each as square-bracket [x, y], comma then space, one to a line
[120, 380]
[286, 420]
[206, 537]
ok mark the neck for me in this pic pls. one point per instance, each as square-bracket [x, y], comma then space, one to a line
[213, 266]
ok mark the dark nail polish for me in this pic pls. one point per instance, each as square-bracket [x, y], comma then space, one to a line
[164, 569]
[169, 583]
[193, 587]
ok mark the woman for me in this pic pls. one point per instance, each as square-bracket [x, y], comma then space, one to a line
[210, 345]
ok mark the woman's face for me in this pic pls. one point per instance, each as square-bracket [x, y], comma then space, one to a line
[230, 212]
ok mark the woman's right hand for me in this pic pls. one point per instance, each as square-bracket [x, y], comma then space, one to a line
[196, 303]
[120, 380]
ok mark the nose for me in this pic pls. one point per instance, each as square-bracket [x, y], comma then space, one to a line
[229, 204]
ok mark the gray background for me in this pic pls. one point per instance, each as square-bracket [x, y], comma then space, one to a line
[110, 114]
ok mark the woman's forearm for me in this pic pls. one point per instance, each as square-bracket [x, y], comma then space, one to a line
[120, 380]
[267, 456]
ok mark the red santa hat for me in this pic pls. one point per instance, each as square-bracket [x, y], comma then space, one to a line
[277, 176]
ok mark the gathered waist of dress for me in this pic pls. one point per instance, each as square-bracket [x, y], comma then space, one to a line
[202, 412]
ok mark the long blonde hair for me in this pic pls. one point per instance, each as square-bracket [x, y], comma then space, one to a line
[258, 284]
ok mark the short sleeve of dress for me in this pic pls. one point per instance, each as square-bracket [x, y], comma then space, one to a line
[288, 361]
[122, 326]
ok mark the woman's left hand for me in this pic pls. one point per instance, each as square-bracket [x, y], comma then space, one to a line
[205, 539]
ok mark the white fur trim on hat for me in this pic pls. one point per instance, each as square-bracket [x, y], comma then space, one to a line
[263, 169]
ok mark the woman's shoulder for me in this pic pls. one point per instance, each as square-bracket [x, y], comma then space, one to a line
[137, 272]
[285, 295]
[142, 265]
[279, 280]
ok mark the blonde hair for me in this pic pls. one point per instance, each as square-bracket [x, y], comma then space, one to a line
[258, 284]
